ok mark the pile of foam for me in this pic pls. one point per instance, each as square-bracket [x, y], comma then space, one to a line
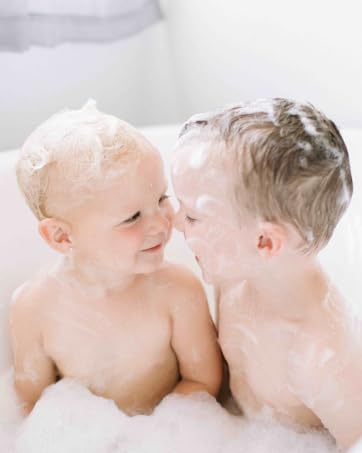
[357, 448]
[68, 418]
[10, 414]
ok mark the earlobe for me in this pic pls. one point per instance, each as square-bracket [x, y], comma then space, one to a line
[56, 233]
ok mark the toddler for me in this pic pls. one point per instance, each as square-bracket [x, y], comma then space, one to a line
[261, 187]
[111, 313]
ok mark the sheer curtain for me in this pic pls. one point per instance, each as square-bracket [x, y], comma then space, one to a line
[24, 23]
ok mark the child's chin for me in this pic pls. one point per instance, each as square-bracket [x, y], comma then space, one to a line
[152, 266]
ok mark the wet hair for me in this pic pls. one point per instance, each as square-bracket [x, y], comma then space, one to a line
[69, 154]
[289, 163]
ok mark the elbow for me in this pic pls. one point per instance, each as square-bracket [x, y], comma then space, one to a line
[212, 384]
[26, 408]
[26, 397]
[349, 440]
[213, 387]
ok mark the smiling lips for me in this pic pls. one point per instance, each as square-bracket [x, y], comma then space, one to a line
[154, 248]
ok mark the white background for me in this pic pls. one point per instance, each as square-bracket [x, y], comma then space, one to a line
[203, 54]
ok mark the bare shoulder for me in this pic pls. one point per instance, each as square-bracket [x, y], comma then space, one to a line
[180, 278]
[28, 299]
[326, 372]
[180, 290]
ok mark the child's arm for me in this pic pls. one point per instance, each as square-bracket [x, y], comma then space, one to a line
[339, 404]
[217, 296]
[194, 339]
[33, 369]
[330, 383]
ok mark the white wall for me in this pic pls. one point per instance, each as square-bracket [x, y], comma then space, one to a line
[205, 54]
[131, 79]
[229, 50]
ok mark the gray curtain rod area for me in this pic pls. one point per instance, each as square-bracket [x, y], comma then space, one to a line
[18, 32]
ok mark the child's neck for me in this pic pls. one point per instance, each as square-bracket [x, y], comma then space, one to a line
[95, 281]
[289, 292]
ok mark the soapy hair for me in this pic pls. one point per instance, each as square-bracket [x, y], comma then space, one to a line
[71, 153]
[289, 163]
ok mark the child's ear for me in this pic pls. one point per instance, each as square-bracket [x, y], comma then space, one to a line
[56, 233]
[271, 239]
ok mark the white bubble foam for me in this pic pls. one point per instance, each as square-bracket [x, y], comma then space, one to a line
[261, 105]
[68, 418]
[357, 448]
[305, 146]
[198, 158]
[307, 123]
[327, 354]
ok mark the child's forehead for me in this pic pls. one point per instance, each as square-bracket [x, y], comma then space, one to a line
[120, 185]
[140, 174]
[193, 154]
[197, 166]
[202, 155]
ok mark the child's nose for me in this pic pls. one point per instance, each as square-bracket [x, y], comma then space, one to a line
[160, 223]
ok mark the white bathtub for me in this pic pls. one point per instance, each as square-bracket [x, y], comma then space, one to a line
[22, 250]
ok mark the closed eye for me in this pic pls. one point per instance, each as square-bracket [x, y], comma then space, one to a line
[190, 219]
[133, 218]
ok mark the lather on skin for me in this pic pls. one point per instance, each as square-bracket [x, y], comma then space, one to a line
[261, 187]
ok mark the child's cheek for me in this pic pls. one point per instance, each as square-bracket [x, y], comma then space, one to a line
[132, 238]
[169, 213]
[194, 236]
[207, 238]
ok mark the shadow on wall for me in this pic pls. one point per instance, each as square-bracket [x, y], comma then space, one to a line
[130, 77]
[24, 24]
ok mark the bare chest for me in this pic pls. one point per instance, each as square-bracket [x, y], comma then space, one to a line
[259, 353]
[117, 351]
